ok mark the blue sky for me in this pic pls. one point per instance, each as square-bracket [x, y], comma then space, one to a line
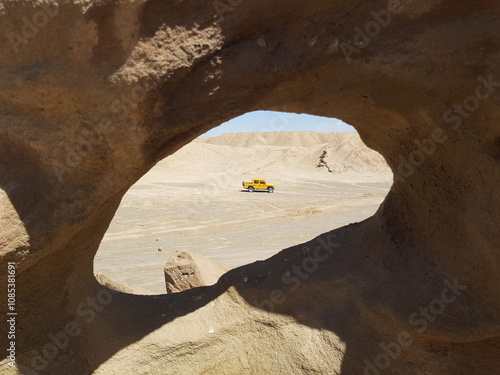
[261, 121]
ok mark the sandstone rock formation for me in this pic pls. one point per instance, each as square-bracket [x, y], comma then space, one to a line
[186, 270]
[117, 286]
[94, 93]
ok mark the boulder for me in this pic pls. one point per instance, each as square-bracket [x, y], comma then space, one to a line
[186, 270]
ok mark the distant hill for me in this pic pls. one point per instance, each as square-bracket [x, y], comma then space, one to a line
[275, 154]
[299, 139]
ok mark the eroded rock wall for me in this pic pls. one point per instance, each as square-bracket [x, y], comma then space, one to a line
[92, 94]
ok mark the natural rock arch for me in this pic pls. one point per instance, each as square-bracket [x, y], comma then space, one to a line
[94, 93]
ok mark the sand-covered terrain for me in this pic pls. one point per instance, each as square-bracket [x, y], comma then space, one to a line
[193, 201]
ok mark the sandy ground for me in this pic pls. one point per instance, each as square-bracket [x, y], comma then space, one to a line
[193, 201]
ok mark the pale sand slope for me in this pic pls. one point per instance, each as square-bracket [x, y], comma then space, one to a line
[192, 201]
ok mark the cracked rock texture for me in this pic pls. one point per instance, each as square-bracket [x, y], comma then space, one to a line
[94, 93]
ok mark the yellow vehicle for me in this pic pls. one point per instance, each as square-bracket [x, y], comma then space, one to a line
[258, 184]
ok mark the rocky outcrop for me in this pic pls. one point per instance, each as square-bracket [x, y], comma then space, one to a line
[186, 270]
[119, 287]
[93, 94]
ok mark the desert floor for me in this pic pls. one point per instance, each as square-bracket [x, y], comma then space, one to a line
[193, 201]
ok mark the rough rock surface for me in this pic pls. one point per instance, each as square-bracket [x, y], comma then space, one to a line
[94, 93]
[186, 270]
[117, 286]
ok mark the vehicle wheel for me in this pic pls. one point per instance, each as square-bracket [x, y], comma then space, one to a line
[270, 190]
[251, 189]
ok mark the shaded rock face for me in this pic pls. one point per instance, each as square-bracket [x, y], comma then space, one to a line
[185, 271]
[93, 94]
[119, 287]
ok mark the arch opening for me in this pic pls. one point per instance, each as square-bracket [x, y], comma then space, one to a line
[193, 201]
